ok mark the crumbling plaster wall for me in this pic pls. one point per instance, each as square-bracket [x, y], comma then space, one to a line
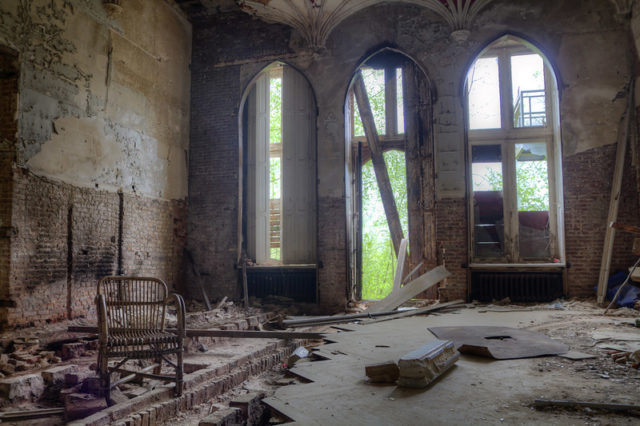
[101, 153]
[578, 37]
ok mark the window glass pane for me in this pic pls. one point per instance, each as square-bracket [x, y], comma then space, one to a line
[400, 101]
[374, 83]
[532, 185]
[527, 83]
[483, 86]
[488, 211]
[275, 163]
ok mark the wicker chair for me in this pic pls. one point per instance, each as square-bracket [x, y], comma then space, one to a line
[131, 324]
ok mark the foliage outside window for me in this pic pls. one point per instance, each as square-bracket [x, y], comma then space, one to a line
[511, 142]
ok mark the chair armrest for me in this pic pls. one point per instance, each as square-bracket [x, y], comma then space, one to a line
[180, 312]
[101, 310]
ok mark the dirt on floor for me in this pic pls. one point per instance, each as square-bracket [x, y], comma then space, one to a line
[504, 390]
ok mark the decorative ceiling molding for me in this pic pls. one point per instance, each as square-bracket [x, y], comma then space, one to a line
[315, 19]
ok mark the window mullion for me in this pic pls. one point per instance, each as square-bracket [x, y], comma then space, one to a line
[510, 202]
[390, 99]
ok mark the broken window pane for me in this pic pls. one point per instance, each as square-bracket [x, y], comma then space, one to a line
[488, 211]
[532, 185]
[527, 84]
[483, 86]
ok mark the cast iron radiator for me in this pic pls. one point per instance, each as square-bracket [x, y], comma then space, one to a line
[487, 286]
[297, 283]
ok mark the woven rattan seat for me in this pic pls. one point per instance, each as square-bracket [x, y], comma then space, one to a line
[131, 323]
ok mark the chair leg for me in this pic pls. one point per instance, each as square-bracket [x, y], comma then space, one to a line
[105, 382]
[179, 373]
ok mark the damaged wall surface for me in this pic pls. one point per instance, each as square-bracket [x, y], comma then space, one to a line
[576, 36]
[100, 150]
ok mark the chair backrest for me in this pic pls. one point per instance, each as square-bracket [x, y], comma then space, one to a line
[134, 302]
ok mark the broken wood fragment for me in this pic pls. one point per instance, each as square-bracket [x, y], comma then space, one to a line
[585, 404]
[420, 311]
[616, 187]
[221, 303]
[411, 289]
[192, 332]
[397, 279]
[379, 166]
[34, 413]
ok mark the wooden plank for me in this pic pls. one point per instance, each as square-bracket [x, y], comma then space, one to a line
[412, 289]
[614, 202]
[397, 279]
[623, 227]
[414, 312]
[379, 166]
[244, 334]
[586, 404]
[34, 413]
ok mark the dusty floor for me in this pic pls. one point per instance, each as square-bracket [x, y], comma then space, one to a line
[330, 387]
[476, 390]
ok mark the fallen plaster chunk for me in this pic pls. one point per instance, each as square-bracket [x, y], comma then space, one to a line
[22, 388]
[422, 366]
[385, 372]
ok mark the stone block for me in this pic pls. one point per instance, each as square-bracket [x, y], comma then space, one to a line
[29, 387]
[73, 350]
[250, 406]
[225, 417]
[56, 375]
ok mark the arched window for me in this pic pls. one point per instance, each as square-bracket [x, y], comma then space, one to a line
[515, 185]
[279, 195]
[390, 172]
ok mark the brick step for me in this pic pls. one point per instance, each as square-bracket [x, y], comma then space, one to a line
[199, 387]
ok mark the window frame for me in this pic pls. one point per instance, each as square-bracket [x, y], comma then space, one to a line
[508, 136]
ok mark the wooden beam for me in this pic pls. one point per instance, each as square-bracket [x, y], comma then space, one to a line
[412, 289]
[414, 312]
[244, 334]
[614, 202]
[379, 166]
[623, 227]
[586, 404]
[397, 279]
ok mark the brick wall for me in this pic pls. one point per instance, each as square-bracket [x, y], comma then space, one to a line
[214, 147]
[67, 239]
[451, 231]
[587, 189]
[153, 239]
[8, 129]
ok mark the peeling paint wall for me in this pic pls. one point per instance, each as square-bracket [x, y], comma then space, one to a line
[101, 150]
[586, 41]
[104, 102]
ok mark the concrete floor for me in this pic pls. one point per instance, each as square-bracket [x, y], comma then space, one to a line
[476, 390]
